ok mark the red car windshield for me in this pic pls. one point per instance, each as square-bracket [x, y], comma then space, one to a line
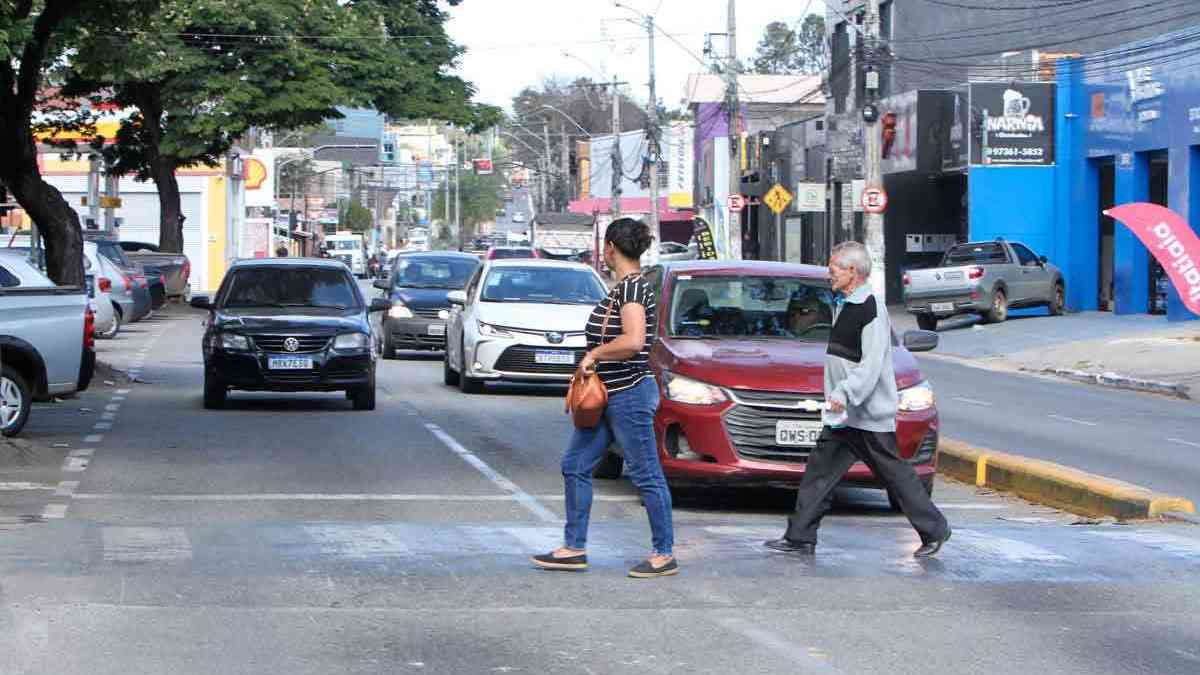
[750, 307]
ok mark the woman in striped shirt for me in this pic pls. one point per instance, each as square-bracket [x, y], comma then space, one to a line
[620, 354]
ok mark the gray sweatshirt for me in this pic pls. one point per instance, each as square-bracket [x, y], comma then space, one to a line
[858, 364]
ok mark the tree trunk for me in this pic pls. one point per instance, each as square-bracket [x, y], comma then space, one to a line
[170, 209]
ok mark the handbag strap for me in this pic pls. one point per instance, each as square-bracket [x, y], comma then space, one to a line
[607, 315]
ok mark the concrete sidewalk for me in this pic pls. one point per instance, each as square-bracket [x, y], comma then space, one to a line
[1131, 351]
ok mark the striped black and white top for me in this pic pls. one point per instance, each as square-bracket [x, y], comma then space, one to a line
[621, 375]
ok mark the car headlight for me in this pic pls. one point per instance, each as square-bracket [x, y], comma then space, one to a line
[349, 341]
[492, 331]
[234, 342]
[399, 311]
[686, 390]
[917, 397]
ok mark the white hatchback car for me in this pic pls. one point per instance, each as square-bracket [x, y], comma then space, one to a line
[519, 320]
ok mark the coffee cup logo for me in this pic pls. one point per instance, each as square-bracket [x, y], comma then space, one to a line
[1015, 105]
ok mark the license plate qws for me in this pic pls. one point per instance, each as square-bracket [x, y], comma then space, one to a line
[289, 363]
[942, 307]
[803, 433]
[554, 358]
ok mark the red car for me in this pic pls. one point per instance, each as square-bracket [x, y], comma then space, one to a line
[506, 252]
[740, 362]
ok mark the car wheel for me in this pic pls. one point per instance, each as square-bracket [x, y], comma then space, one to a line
[389, 349]
[449, 377]
[364, 399]
[999, 310]
[214, 393]
[927, 322]
[15, 402]
[468, 385]
[1058, 306]
[926, 483]
[112, 332]
[610, 466]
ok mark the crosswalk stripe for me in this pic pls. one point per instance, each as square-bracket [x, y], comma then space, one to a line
[146, 544]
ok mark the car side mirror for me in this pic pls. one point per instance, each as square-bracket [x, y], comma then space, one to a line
[380, 305]
[381, 284]
[457, 298]
[1043, 260]
[201, 302]
[920, 340]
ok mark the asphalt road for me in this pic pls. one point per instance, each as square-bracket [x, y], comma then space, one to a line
[290, 534]
[519, 204]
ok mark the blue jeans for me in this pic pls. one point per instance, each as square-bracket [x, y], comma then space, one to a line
[629, 420]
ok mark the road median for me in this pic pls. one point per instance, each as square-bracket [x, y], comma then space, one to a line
[1054, 484]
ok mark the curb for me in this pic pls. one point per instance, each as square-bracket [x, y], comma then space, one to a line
[1121, 382]
[1054, 484]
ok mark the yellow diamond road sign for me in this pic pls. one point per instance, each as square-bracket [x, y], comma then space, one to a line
[778, 198]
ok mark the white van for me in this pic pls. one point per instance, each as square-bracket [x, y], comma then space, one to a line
[348, 248]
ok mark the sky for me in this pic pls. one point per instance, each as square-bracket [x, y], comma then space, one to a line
[515, 43]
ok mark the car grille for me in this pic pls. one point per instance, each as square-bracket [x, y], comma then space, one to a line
[297, 377]
[421, 339]
[926, 450]
[520, 359]
[750, 423]
[429, 313]
[274, 343]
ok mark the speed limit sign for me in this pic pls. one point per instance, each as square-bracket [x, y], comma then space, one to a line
[874, 200]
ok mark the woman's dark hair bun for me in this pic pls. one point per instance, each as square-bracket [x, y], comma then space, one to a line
[631, 237]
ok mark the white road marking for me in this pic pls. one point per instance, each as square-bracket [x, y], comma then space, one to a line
[315, 497]
[113, 407]
[66, 488]
[972, 401]
[17, 486]
[359, 542]
[1014, 550]
[117, 398]
[93, 438]
[54, 511]
[146, 544]
[1183, 442]
[81, 452]
[75, 464]
[1072, 420]
[810, 659]
[122, 391]
[524, 498]
[108, 416]
[102, 426]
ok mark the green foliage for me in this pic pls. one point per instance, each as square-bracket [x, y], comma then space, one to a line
[479, 197]
[783, 51]
[354, 217]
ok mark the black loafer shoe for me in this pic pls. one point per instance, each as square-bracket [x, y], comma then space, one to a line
[788, 546]
[547, 561]
[645, 570]
[930, 549]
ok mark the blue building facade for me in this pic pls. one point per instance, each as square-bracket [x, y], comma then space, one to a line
[1127, 130]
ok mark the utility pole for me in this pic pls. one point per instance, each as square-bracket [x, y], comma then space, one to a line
[565, 160]
[548, 184]
[617, 168]
[735, 169]
[872, 146]
[655, 151]
[462, 239]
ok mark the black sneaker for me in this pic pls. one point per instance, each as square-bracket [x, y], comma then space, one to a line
[646, 570]
[547, 561]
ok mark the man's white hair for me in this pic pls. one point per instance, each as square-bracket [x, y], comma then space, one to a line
[854, 255]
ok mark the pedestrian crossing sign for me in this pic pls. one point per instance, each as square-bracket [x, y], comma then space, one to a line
[777, 198]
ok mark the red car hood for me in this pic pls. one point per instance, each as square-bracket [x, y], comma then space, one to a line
[770, 365]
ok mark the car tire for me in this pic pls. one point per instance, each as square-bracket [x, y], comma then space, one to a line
[926, 483]
[389, 349]
[112, 332]
[609, 467]
[999, 309]
[364, 398]
[467, 384]
[15, 402]
[1058, 306]
[927, 322]
[449, 376]
[214, 393]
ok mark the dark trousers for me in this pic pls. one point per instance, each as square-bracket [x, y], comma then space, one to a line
[836, 452]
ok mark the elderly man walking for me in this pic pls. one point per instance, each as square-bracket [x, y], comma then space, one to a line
[860, 418]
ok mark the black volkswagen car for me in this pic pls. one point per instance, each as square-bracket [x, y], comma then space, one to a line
[416, 290]
[289, 324]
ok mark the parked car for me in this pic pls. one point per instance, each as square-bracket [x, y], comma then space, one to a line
[506, 252]
[106, 324]
[175, 268]
[143, 296]
[670, 250]
[740, 362]
[417, 289]
[120, 286]
[519, 321]
[47, 345]
[289, 325]
[988, 278]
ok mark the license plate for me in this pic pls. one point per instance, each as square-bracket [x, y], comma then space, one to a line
[797, 432]
[437, 329]
[942, 307]
[554, 358]
[289, 363]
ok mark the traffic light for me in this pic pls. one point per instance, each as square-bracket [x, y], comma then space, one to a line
[888, 126]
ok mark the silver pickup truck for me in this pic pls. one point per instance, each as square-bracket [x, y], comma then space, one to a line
[46, 342]
[984, 278]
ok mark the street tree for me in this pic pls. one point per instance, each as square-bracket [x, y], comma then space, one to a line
[199, 73]
[34, 35]
[354, 217]
[784, 51]
[479, 197]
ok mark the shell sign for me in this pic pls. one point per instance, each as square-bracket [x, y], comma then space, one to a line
[255, 173]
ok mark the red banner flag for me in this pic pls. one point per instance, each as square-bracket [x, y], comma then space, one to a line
[1172, 242]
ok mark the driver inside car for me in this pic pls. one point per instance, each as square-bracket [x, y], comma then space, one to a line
[806, 312]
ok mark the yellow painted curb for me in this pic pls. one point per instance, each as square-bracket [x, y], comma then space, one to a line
[1054, 484]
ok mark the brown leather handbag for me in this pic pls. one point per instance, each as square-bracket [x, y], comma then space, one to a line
[587, 397]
